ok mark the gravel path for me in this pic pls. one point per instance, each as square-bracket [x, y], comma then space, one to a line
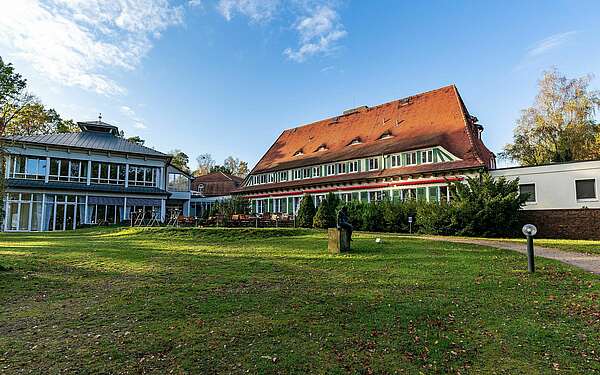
[586, 262]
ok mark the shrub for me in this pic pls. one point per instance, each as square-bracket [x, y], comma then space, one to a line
[437, 218]
[326, 216]
[306, 212]
[356, 214]
[486, 206]
[373, 218]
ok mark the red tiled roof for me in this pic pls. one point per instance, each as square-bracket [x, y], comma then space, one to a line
[433, 118]
[217, 184]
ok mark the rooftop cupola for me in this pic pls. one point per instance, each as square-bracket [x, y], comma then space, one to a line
[98, 127]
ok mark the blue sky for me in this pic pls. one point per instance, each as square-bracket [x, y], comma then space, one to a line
[225, 77]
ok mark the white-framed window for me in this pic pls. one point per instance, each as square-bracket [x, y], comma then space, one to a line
[373, 164]
[426, 156]
[27, 167]
[528, 190]
[178, 182]
[283, 176]
[138, 175]
[297, 174]
[271, 177]
[396, 160]
[411, 158]
[107, 173]
[68, 170]
[316, 172]
[353, 166]
[306, 173]
[341, 168]
[585, 189]
[330, 169]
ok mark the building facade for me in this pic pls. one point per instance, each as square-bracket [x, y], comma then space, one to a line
[63, 181]
[408, 148]
[562, 198]
[210, 189]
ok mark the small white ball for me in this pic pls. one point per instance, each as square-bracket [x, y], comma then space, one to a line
[378, 240]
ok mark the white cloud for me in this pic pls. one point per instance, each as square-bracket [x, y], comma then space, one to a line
[318, 33]
[318, 27]
[195, 3]
[550, 43]
[130, 113]
[256, 10]
[79, 42]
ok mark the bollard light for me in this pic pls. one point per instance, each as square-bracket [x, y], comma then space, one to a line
[529, 230]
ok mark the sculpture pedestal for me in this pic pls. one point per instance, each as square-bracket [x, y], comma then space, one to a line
[338, 240]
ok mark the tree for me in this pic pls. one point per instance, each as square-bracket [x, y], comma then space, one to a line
[205, 164]
[220, 168]
[306, 212]
[35, 119]
[560, 126]
[243, 169]
[135, 139]
[180, 160]
[484, 206]
[13, 97]
[236, 166]
[326, 216]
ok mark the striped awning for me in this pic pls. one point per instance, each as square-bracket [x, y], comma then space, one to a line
[117, 201]
[143, 202]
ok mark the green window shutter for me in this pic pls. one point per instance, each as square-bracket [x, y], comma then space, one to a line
[355, 196]
[396, 195]
[436, 156]
[433, 194]
[419, 157]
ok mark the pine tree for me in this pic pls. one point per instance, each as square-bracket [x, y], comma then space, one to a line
[306, 212]
[326, 216]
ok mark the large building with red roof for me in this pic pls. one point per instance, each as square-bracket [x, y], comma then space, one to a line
[407, 148]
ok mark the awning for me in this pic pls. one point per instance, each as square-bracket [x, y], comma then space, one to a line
[117, 201]
[143, 202]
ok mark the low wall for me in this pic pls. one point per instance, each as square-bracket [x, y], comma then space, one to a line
[577, 224]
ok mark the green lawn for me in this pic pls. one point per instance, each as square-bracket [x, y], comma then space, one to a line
[580, 246]
[273, 301]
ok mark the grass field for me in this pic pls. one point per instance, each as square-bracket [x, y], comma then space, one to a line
[165, 301]
[579, 246]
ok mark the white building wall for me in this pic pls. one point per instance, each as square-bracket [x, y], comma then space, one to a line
[555, 183]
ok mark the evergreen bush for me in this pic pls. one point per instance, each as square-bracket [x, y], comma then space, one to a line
[326, 216]
[306, 212]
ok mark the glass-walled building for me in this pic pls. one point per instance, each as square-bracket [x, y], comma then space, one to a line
[409, 148]
[63, 181]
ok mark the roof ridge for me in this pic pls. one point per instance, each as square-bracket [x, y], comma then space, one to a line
[374, 107]
[464, 112]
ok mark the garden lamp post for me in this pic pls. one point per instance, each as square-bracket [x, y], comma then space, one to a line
[410, 220]
[529, 230]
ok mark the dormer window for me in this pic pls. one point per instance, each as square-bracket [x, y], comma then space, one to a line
[299, 153]
[355, 141]
[386, 135]
[322, 147]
